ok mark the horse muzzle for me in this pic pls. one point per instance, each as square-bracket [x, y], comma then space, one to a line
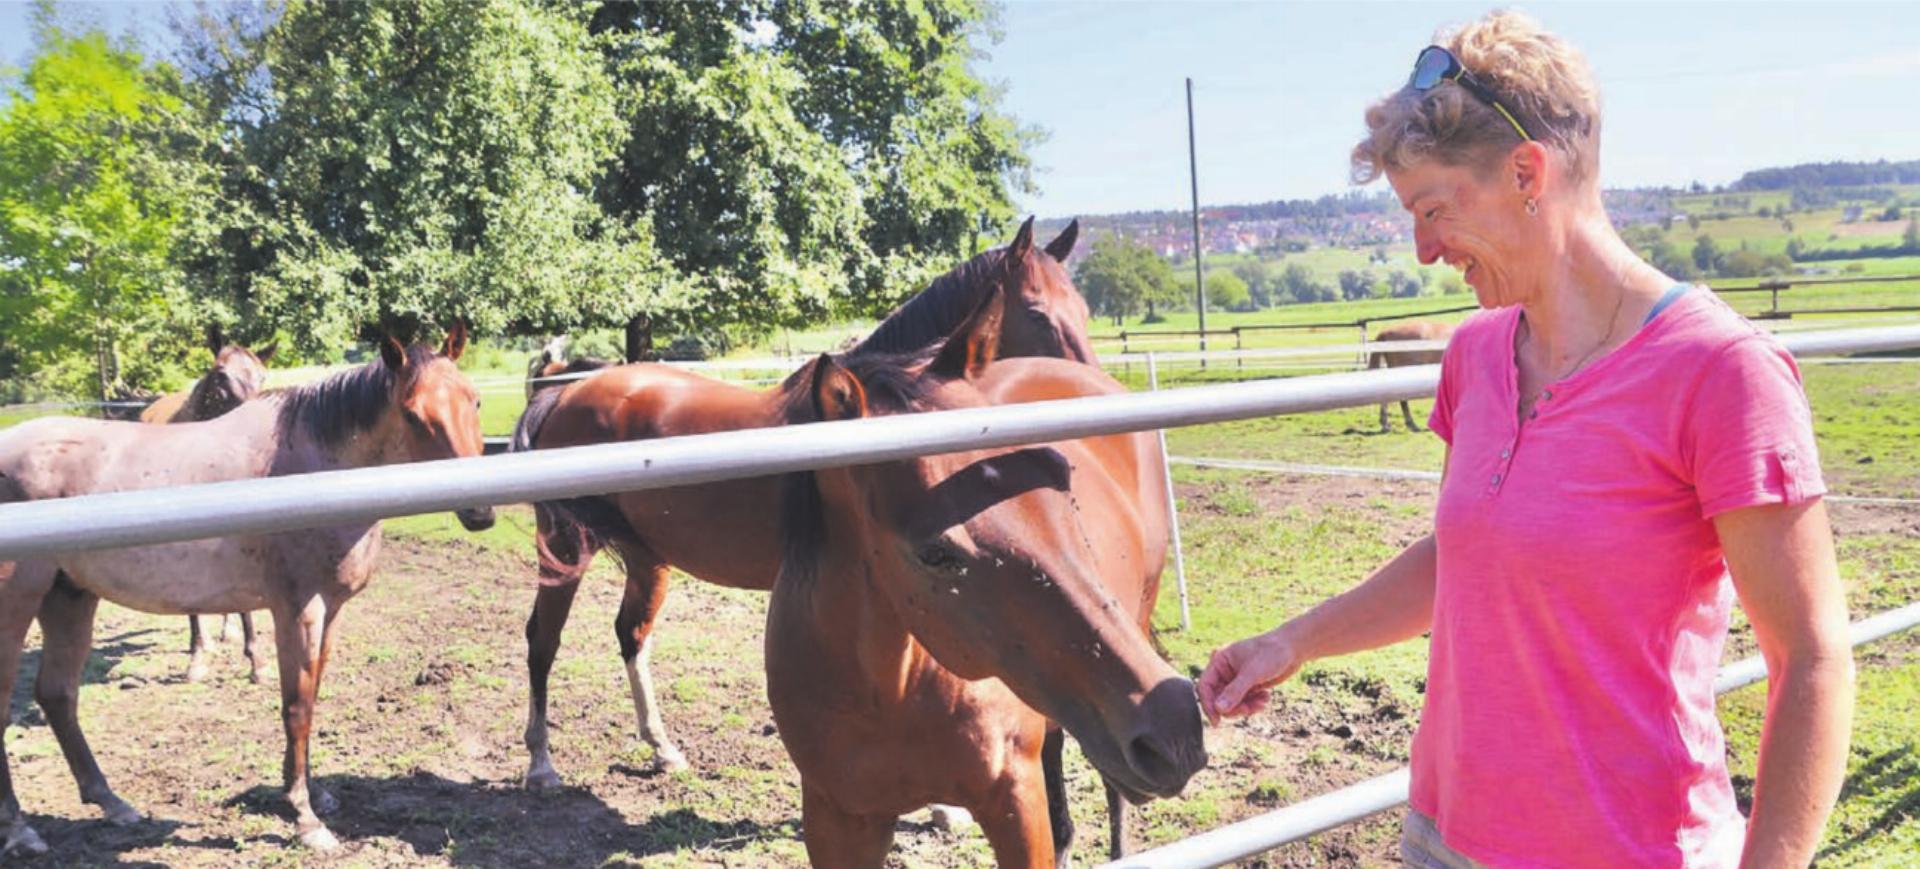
[475, 518]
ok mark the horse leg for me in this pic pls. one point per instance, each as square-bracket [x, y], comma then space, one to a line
[646, 591]
[1385, 425]
[1058, 811]
[196, 650]
[1016, 820]
[841, 839]
[300, 637]
[1408, 413]
[66, 628]
[1117, 843]
[256, 662]
[550, 607]
[227, 628]
[20, 596]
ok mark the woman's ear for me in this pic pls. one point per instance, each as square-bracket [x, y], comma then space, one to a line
[1531, 167]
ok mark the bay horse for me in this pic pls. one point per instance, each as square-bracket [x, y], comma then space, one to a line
[934, 616]
[1416, 330]
[237, 374]
[723, 532]
[411, 404]
[553, 362]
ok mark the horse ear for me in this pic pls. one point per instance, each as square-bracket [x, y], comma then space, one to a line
[837, 394]
[394, 355]
[1062, 244]
[265, 354]
[972, 346]
[1022, 241]
[456, 342]
[216, 340]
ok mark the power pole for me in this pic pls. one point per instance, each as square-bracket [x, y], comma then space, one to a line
[1193, 172]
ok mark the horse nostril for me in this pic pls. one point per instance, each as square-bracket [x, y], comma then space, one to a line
[1149, 757]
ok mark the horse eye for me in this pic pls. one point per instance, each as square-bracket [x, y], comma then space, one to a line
[939, 556]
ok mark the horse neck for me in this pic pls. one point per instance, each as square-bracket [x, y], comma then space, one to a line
[300, 451]
[930, 315]
[851, 625]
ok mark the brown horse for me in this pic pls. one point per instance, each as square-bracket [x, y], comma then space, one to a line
[1417, 330]
[237, 374]
[411, 404]
[933, 615]
[723, 532]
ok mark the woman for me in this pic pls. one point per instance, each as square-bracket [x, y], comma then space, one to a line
[1618, 444]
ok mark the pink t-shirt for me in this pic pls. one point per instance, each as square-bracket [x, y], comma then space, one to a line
[1582, 595]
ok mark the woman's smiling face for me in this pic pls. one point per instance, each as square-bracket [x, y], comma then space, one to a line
[1477, 226]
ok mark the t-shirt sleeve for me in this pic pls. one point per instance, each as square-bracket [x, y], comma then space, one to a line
[1750, 431]
[1445, 396]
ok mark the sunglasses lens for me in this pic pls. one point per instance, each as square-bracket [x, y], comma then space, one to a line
[1430, 68]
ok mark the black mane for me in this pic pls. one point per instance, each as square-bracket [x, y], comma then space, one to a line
[925, 319]
[335, 409]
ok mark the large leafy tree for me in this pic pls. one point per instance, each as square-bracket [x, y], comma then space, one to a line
[794, 159]
[95, 172]
[419, 161]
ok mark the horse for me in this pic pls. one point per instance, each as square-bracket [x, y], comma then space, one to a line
[237, 374]
[548, 369]
[1416, 330]
[934, 615]
[410, 404]
[722, 532]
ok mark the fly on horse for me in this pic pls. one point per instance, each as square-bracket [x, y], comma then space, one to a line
[237, 374]
[934, 615]
[723, 532]
[1417, 330]
[411, 404]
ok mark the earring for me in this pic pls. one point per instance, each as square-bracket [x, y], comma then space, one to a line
[1533, 208]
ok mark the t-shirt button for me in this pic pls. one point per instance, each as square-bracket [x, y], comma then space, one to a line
[1496, 479]
[1546, 395]
[1506, 454]
[1533, 415]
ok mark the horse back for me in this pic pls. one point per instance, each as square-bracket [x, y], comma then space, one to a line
[166, 409]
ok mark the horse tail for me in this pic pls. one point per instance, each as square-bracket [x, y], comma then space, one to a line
[570, 530]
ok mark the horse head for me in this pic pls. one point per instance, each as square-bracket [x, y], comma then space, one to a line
[1046, 315]
[991, 559]
[236, 376]
[437, 408]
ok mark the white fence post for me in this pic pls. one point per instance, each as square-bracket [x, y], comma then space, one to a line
[1173, 510]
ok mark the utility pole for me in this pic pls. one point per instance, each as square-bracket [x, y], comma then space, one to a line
[1193, 172]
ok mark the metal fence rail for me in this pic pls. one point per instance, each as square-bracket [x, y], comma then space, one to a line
[344, 497]
[1266, 832]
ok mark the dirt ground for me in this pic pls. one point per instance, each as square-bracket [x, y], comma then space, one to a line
[419, 735]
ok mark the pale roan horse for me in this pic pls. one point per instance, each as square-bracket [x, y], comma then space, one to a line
[1415, 330]
[237, 374]
[411, 404]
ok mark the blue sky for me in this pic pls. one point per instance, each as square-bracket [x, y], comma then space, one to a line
[1693, 91]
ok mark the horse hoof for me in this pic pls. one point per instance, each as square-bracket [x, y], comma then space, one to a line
[23, 842]
[669, 759]
[120, 814]
[258, 676]
[542, 779]
[197, 672]
[324, 802]
[320, 839]
[951, 818]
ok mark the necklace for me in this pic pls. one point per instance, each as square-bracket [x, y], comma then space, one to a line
[1613, 323]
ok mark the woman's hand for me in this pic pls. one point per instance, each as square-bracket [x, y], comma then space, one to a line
[1240, 678]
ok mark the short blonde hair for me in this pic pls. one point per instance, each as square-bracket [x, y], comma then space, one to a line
[1540, 77]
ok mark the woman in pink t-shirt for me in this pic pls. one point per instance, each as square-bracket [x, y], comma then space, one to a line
[1619, 445]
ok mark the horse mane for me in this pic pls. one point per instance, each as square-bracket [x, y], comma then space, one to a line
[332, 410]
[928, 317]
[893, 382]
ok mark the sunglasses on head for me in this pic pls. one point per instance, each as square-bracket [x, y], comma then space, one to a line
[1436, 64]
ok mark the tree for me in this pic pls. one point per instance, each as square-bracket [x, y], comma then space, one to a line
[1299, 285]
[1795, 248]
[1259, 278]
[793, 160]
[95, 170]
[1911, 238]
[1121, 277]
[1227, 292]
[419, 162]
[1356, 284]
[1401, 285]
[1706, 254]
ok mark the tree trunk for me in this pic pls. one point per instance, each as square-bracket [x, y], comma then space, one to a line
[639, 338]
